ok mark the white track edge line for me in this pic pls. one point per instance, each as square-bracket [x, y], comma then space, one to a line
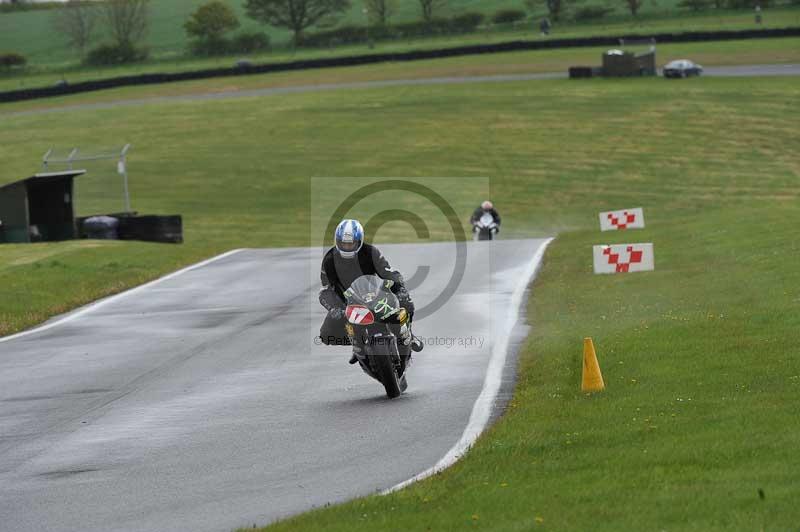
[116, 297]
[482, 409]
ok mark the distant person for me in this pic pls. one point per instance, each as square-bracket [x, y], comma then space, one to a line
[485, 207]
[545, 26]
[758, 13]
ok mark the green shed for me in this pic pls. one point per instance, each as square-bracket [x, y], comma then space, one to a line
[39, 208]
[617, 63]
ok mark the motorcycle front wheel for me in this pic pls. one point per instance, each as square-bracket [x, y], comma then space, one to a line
[384, 366]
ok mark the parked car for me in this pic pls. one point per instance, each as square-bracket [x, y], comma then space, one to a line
[682, 68]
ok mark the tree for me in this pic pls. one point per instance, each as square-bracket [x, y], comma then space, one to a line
[211, 21]
[694, 5]
[296, 15]
[634, 6]
[553, 7]
[430, 8]
[127, 20]
[380, 11]
[76, 21]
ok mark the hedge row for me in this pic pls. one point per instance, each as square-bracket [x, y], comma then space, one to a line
[586, 13]
[466, 23]
[12, 59]
[243, 43]
[508, 16]
[116, 54]
[147, 79]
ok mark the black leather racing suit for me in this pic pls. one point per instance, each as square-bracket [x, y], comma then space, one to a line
[336, 276]
[479, 212]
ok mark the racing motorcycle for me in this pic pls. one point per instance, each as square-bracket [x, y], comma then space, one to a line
[485, 227]
[373, 314]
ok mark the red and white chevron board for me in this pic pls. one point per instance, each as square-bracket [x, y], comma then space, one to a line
[620, 220]
[624, 258]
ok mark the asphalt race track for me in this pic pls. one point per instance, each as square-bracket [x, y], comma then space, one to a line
[720, 71]
[201, 401]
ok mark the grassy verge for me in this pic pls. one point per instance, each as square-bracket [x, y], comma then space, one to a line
[49, 63]
[237, 169]
[698, 356]
[702, 385]
[725, 53]
[695, 430]
[40, 280]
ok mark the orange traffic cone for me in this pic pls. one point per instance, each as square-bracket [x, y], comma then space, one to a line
[592, 380]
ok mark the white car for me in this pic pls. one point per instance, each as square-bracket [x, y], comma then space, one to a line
[682, 68]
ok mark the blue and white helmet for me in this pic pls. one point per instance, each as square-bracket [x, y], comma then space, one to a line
[349, 237]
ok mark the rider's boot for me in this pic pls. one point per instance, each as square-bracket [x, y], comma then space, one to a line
[407, 343]
[407, 338]
[416, 344]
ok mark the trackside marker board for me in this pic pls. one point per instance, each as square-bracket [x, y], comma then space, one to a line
[623, 219]
[624, 258]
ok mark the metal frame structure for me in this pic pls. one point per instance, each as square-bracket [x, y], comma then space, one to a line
[121, 157]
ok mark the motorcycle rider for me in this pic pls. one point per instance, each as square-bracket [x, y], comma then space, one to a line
[346, 261]
[485, 207]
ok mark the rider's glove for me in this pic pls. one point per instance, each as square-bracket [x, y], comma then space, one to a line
[402, 316]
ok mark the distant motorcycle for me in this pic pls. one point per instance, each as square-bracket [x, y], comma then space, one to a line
[485, 227]
[373, 312]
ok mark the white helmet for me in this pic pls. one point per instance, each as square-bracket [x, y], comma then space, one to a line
[487, 205]
[349, 237]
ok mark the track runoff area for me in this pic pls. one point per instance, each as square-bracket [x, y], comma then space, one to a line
[204, 399]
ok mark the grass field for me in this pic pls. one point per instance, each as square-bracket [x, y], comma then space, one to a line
[31, 34]
[32, 30]
[699, 356]
[746, 52]
[702, 377]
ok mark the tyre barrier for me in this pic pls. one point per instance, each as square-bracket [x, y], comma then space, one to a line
[580, 72]
[167, 229]
[148, 228]
[356, 60]
[101, 227]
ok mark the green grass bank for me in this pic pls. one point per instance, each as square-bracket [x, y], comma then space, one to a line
[702, 375]
[723, 53]
[50, 60]
[699, 356]
[237, 169]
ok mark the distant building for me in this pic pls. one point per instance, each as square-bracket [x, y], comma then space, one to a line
[39, 208]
